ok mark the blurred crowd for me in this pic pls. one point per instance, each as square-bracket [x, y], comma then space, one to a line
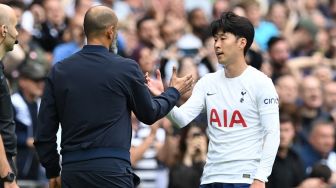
[295, 45]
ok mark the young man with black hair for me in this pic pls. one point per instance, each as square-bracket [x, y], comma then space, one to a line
[8, 37]
[242, 109]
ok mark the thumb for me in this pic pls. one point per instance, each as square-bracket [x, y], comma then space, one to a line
[158, 74]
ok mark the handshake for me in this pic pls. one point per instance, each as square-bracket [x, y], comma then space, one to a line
[183, 84]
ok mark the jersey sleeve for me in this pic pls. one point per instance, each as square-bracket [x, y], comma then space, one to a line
[184, 114]
[267, 100]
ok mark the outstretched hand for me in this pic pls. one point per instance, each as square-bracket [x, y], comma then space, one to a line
[183, 84]
[155, 86]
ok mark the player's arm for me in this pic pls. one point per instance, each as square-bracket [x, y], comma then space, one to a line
[267, 100]
[191, 109]
[47, 127]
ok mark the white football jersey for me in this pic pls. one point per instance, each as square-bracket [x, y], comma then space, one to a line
[243, 125]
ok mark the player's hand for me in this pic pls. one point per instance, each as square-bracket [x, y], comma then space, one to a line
[11, 185]
[55, 182]
[183, 84]
[257, 184]
[313, 183]
[155, 86]
[30, 142]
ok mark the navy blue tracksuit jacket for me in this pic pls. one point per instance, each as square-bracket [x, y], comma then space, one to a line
[92, 94]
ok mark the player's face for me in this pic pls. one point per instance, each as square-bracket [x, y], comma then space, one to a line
[226, 47]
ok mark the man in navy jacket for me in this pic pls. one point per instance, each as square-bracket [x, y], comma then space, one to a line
[91, 94]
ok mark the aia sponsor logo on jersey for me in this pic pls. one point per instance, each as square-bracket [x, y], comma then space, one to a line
[234, 120]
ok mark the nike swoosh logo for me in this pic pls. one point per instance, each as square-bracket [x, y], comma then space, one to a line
[208, 94]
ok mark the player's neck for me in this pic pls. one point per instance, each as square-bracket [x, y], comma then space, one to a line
[98, 41]
[235, 69]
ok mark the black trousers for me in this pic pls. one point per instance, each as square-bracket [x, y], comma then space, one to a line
[13, 167]
[92, 173]
[225, 185]
[97, 179]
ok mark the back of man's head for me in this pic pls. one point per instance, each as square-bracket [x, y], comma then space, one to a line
[8, 32]
[4, 11]
[97, 19]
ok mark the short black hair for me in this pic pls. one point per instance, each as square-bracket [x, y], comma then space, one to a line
[142, 20]
[273, 40]
[191, 14]
[285, 118]
[321, 171]
[321, 121]
[16, 4]
[239, 26]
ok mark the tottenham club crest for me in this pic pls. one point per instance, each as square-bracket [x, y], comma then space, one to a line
[242, 93]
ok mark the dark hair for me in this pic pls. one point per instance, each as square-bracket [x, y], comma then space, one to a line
[16, 4]
[290, 110]
[239, 26]
[142, 20]
[137, 51]
[254, 58]
[285, 118]
[273, 40]
[191, 14]
[321, 121]
[184, 134]
[321, 171]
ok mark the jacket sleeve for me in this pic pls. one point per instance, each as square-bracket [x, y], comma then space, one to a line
[148, 109]
[47, 127]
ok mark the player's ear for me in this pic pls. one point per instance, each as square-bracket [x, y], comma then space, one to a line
[110, 32]
[3, 30]
[242, 42]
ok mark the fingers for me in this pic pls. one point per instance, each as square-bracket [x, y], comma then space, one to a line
[158, 74]
[189, 80]
[188, 84]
